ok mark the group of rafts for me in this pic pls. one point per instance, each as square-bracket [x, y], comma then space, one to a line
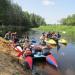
[32, 51]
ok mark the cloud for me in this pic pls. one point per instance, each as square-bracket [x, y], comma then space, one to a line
[48, 2]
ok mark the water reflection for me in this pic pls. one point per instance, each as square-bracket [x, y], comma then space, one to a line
[65, 57]
[45, 69]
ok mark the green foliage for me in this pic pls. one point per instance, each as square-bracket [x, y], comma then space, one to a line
[36, 20]
[57, 28]
[13, 16]
[70, 20]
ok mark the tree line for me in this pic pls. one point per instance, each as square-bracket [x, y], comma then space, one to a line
[13, 16]
[70, 20]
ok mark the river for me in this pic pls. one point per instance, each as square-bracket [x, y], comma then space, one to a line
[65, 57]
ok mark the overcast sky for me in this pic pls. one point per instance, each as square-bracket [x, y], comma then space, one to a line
[51, 10]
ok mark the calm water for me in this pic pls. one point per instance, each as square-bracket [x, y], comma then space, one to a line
[65, 58]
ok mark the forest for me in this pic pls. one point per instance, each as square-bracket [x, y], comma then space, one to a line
[13, 18]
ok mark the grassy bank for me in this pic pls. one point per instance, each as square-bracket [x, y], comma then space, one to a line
[68, 29]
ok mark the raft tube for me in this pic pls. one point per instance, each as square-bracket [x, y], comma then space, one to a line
[18, 49]
[29, 61]
[62, 41]
[51, 60]
[50, 41]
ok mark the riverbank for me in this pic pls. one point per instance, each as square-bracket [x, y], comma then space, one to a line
[60, 28]
[10, 66]
[8, 60]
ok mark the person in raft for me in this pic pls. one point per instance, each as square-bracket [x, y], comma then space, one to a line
[45, 49]
[8, 35]
[13, 35]
[26, 36]
[49, 35]
[56, 37]
[43, 37]
[24, 53]
[26, 50]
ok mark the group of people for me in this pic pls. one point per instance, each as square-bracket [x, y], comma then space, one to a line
[28, 44]
[11, 36]
[28, 48]
[51, 35]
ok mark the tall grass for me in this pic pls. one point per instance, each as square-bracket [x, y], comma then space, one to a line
[60, 28]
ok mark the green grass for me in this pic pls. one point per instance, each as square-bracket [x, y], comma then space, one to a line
[60, 28]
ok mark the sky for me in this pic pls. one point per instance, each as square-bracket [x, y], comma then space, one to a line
[51, 10]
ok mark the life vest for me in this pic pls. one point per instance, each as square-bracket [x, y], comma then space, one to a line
[18, 49]
[27, 52]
